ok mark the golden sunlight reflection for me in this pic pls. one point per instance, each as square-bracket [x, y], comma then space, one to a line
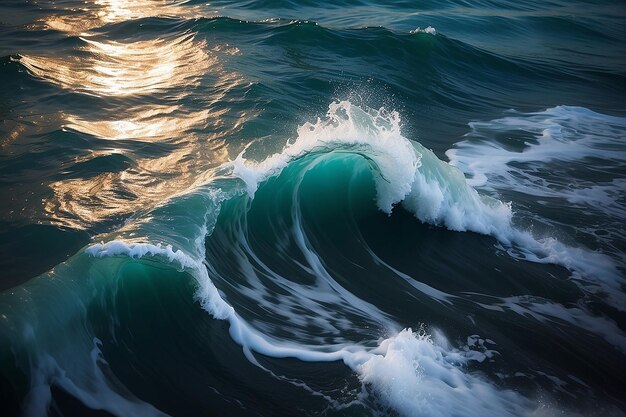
[151, 179]
[120, 10]
[79, 203]
[154, 113]
[121, 69]
[143, 124]
[77, 21]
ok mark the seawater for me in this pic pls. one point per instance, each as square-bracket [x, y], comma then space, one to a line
[288, 208]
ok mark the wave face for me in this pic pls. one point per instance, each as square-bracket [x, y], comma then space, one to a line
[190, 228]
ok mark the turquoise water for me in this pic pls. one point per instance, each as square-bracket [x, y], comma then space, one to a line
[270, 208]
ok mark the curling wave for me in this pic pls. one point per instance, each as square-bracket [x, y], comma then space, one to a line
[297, 306]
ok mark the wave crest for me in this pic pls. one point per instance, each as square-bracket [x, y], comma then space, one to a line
[404, 170]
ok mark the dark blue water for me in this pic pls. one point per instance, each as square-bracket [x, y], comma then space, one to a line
[281, 208]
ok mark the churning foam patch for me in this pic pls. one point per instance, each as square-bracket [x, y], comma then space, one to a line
[557, 144]
[420, 378]
[561, 134]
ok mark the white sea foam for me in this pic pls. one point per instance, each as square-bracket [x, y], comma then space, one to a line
[428, 29]
[139, 250]
[420, 378]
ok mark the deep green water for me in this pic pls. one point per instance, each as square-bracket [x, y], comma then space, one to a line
[285, 208]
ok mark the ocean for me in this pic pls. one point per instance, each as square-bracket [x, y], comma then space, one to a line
[301, 208]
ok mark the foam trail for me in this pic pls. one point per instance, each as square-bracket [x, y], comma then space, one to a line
[552, 145]
[548, 312]
[98, 396]
[559, 134]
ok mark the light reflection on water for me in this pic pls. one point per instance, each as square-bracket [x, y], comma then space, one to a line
[122, 69]
[77, 203]
[146, 86]
[147, 123]
[77, 20]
